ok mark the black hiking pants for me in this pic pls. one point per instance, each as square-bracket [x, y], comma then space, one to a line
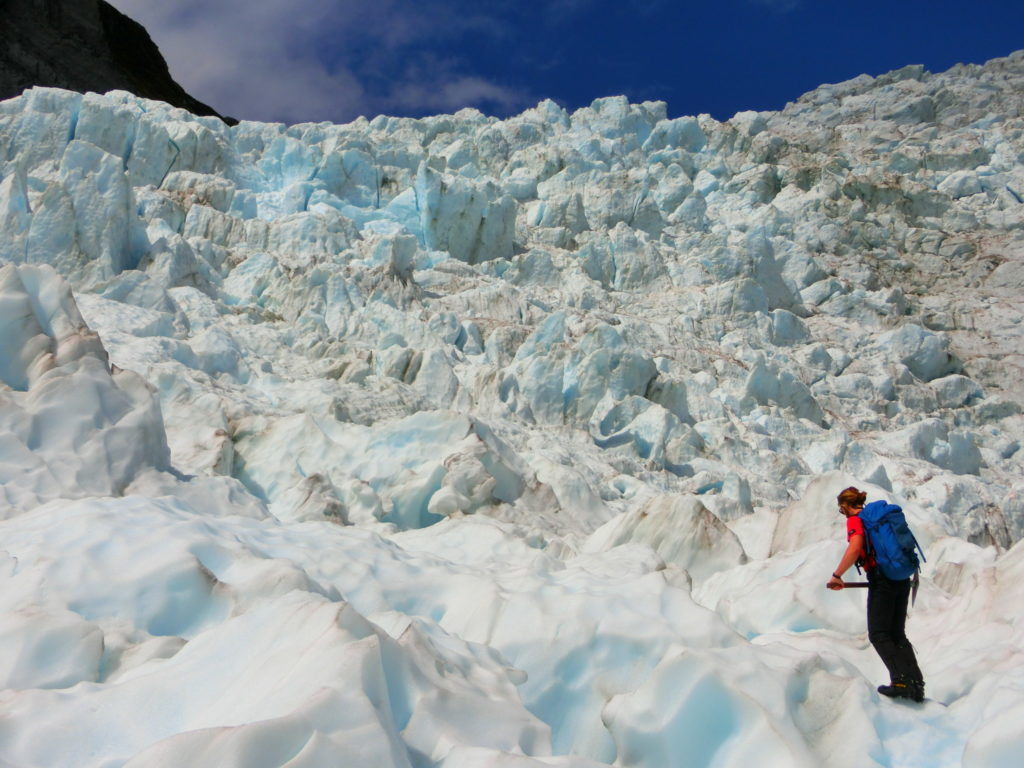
[887, 618]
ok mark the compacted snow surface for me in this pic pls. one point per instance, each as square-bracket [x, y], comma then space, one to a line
[473, 443]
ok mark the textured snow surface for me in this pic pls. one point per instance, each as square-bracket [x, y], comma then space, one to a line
[471, 443]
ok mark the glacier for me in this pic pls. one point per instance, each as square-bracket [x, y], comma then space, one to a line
[466, 442]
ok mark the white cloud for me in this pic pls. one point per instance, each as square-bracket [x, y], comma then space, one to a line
[298, 60]
[453, 94]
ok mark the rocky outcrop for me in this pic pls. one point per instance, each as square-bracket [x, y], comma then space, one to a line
[83, 46]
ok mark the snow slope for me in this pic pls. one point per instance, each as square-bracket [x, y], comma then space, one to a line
[466, 442]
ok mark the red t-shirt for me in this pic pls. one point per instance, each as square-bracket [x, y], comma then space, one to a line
[855, 525]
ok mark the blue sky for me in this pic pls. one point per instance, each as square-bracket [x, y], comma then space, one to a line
[298, 60]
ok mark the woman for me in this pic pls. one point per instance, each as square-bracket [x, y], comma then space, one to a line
[887, 605]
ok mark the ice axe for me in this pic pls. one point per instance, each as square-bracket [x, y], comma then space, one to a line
[914, 584]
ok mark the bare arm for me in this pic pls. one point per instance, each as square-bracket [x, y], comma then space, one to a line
[853, 550]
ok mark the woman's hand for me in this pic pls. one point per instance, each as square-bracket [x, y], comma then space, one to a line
[853, 551]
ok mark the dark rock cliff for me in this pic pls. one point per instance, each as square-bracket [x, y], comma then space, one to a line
[83, 45]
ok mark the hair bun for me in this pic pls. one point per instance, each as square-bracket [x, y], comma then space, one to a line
[851, 496]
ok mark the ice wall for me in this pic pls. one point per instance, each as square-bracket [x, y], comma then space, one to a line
[677, 289]
[70, 425]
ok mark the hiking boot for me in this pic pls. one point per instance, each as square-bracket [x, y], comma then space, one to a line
[917, 690]
[904, 689]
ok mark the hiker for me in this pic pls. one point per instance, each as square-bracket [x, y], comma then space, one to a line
[887, 604]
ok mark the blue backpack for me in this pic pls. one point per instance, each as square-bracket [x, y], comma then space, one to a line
[890, 541]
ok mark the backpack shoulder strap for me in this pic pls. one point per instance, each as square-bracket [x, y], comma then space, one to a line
[919, 547]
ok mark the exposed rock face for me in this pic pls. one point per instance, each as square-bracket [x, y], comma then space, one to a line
[83, 45]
